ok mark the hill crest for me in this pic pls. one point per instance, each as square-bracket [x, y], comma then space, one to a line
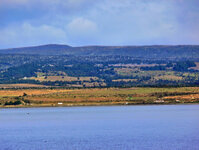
[153, 51]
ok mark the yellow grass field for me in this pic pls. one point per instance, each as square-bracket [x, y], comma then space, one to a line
[104, 96]
[30, 92]
[63, 78]
[168, 77]
[124, 80]
[197, 66]
[21, 86]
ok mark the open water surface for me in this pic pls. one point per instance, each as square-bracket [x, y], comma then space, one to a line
[151, 127]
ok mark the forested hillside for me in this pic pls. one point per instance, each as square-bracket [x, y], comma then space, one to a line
[155, 52]
[101, 66]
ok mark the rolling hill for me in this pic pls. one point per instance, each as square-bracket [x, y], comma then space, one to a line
[158, 51]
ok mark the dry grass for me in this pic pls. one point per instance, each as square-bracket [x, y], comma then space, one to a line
[197, 66]
[124, 80]
[103, 96]
[20, 85]
[125, 71]
[30, 92]
[135, 65]
[184, 97]
[168, 77]
[63, 78]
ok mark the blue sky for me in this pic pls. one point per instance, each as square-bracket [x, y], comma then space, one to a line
[98, 22]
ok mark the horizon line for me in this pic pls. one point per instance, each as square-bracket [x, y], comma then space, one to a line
[53, 44]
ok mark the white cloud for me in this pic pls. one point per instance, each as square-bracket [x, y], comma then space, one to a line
[134, 22]
[110, 22]
[81, 26]
[27, 34]
[81, 31]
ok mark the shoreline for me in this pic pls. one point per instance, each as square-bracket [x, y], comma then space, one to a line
[93, 105]
[98, 97]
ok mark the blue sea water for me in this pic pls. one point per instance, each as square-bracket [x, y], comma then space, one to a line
[151, 127]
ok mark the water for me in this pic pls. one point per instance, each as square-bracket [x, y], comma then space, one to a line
[161, 127]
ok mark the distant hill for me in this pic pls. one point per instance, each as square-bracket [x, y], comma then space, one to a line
[51, 49]
[161, 51]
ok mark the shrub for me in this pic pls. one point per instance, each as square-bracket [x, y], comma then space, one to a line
[24, 94]
[13, 102]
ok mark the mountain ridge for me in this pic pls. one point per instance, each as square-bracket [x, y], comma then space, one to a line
[146, 51]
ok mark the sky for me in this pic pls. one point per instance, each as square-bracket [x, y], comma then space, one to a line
[98, 22]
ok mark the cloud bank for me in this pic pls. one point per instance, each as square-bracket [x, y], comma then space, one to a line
[99, 22]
